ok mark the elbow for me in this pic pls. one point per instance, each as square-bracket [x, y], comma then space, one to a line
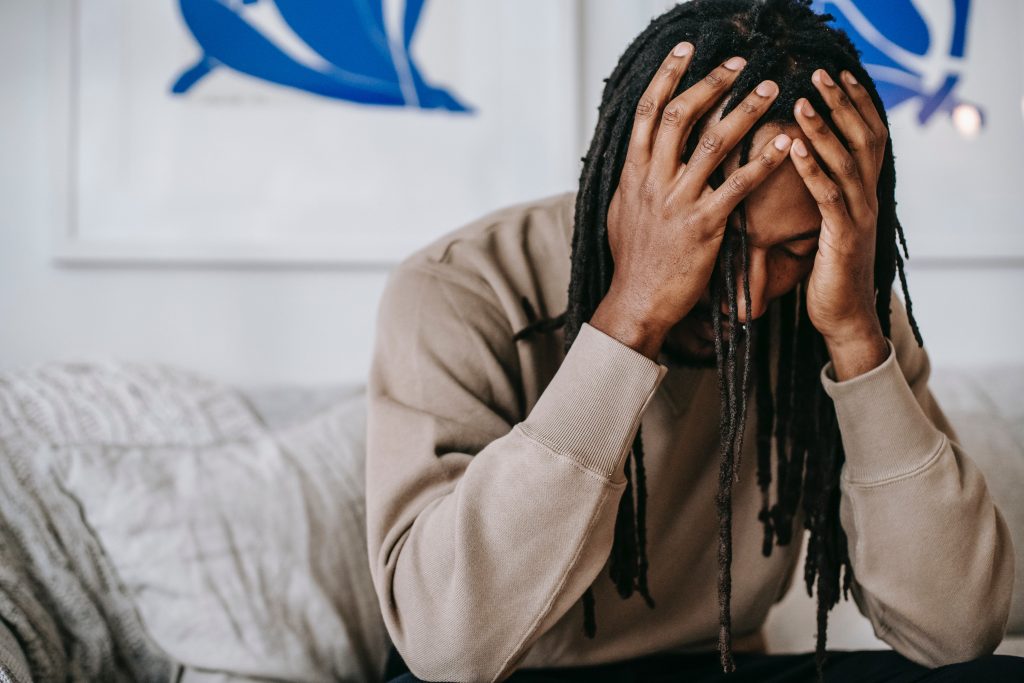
[980, 623]
[969, 635]
[971, 644]
[447, 640]
[434, 656]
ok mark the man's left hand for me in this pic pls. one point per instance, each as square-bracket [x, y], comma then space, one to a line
[840, 289]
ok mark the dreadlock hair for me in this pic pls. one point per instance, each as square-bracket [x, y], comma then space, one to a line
[785, 41]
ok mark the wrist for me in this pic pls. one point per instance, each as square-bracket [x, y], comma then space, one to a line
[855, 353]
[626, 320]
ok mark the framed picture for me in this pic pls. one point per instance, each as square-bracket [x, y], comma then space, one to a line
[303, 131]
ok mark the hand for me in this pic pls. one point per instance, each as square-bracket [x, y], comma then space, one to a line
[665, 224]
[841, 290]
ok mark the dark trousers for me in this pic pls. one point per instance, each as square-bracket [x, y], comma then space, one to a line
[841, 666]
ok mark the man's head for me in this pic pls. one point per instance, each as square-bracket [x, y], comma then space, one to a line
[766, 256]
[783, 41]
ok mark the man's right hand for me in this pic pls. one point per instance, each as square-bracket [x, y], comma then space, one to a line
[665, 224]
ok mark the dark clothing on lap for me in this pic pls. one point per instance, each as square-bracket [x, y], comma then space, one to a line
[861, 666]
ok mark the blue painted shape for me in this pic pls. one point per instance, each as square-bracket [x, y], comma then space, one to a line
[893, 94]
[960, 8]
[900, 23]
[413, 8]
[348, 34]
[870, 54]
[937, 100]
[192, 75]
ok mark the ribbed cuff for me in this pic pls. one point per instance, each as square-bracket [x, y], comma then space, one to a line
[885, 432]
[592, 407]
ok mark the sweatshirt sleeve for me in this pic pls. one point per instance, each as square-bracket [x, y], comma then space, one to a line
[486, 525]
[931, 553]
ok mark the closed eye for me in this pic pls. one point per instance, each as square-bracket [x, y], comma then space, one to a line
[805, 237]
[797, 256]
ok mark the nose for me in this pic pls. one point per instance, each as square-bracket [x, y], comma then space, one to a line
[758, 278]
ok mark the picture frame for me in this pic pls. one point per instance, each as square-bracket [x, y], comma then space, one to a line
[241, 170]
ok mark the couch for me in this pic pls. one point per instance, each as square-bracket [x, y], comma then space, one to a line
[158, 525]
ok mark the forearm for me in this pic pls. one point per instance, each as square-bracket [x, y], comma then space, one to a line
[930, 552]
[525, 524]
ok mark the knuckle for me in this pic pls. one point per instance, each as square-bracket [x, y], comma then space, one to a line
[646, 107]
[666, 210]
[865, 141]
[738, 184]
[714, 79]
[673, 115]
[767, 160]
[830, 196]
[648, 189]
[687, 112]
[821, 130]
[748, 107]
[848, 167]
[710, 142]
[842, 101]
[669, 69]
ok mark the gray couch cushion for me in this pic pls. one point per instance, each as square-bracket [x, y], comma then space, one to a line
[247, 556]
[241, 546]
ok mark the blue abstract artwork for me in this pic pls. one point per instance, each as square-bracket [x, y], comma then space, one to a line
[362, 63]
[914, 51]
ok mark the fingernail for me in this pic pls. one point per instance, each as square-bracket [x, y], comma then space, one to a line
[799, 147]
[682, 49]
[735, 64]
[765, 89]
[849, 78]
[823, 77]
[782, 142]
[808, 110]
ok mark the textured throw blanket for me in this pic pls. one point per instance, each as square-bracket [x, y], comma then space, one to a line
[64, 616]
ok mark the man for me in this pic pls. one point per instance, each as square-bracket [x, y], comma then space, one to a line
[739, 182]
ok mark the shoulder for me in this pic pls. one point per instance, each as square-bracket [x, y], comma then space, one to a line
[448, 315]
[539, 223]
[522, 250]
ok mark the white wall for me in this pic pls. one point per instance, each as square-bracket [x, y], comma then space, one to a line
[315, 325]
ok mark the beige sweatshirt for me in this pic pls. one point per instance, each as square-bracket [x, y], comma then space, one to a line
[495, 470]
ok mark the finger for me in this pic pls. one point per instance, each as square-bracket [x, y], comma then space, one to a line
[836, 222]
[651, 103]
[684, 111]
[745, 179]
[859, 138]
[869, 112]
[836, 157]
[718, 140]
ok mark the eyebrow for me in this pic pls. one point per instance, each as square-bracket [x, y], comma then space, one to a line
[806, 234]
